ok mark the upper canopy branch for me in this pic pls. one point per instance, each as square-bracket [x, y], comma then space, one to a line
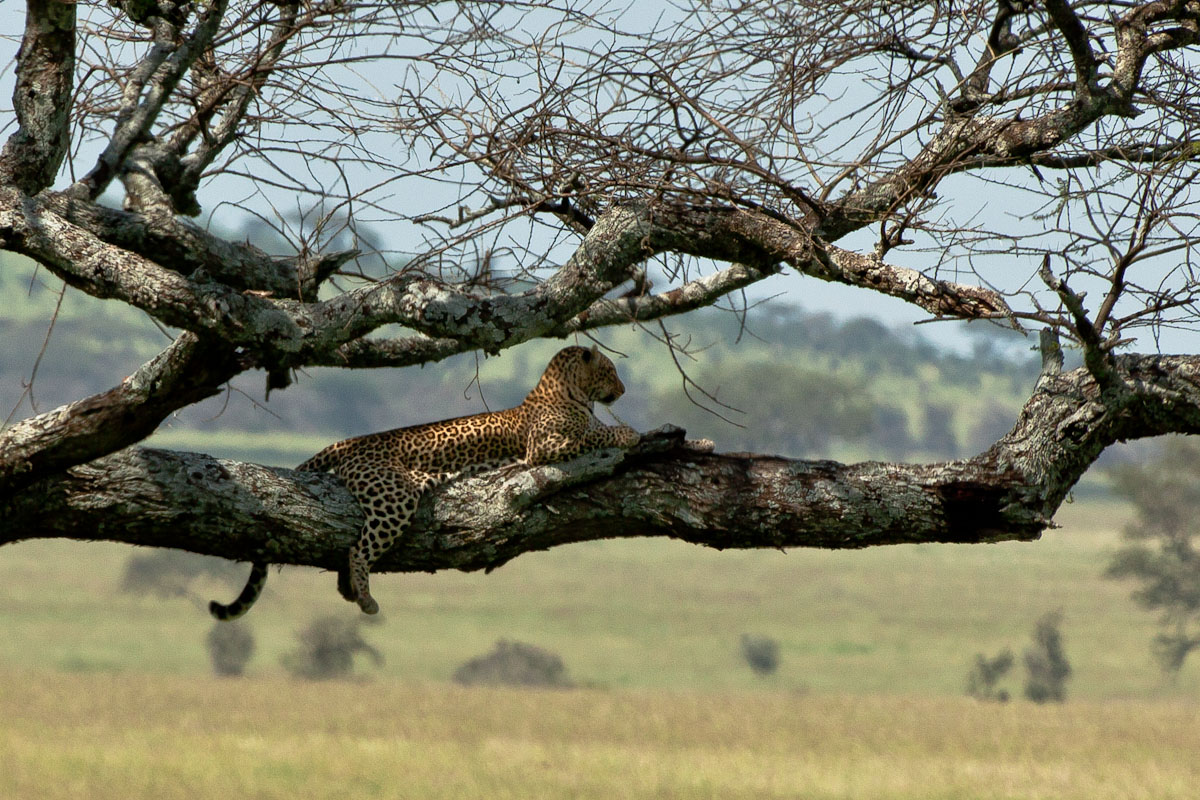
[42, 97]
[149, 89]
[301, 333]
[968, 140]
[1086, 63]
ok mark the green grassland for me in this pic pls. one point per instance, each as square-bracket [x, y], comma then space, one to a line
[107, 695]
[121, 736]
[652, 614]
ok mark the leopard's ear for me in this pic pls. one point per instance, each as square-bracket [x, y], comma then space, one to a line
[590, 353]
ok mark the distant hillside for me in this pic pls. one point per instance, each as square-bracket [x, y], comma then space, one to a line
[784, 380]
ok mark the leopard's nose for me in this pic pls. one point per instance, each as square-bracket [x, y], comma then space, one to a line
[614, 394]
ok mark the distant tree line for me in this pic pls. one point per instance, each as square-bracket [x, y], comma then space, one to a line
[828, 382]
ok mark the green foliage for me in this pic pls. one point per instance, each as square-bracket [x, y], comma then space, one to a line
[794, 409]
[327, 649]
[230, 646]
[1162, 550]
[986, 673]
[1046, 662]
[514, 664]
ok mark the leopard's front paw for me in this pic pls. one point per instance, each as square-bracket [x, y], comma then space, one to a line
[368, 605]
[626, 436]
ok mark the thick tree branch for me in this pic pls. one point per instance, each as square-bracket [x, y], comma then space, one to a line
[103, 270]
[410, 350]
[661, 488]
[192, 251]
[1072, 30]
[942, 298]
[41, 97]
[188, 371]
[1136, 41]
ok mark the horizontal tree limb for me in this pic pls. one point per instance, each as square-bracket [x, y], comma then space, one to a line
[187, 371]
[285, 332]
[183, 247]
[662, 487]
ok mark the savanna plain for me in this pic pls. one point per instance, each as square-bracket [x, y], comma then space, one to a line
[105, 694]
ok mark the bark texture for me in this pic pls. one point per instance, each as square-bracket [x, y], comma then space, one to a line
[664, 486]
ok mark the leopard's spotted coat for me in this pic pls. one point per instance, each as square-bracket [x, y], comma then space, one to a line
[388, 472]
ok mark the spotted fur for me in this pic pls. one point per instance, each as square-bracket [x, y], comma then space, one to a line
[388, 472]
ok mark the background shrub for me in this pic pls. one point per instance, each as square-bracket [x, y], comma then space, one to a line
[230, 646]
[327, 649]
[1162, 546]
[761, 653]
[514, 664]
[169, 573]
[1046, 662]
[986, 673]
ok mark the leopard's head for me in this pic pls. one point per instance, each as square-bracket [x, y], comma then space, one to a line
[583, 374]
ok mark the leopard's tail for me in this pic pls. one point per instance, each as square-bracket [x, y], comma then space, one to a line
[251, 591]
[321, 462]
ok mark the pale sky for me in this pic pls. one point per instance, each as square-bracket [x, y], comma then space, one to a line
[809, 293]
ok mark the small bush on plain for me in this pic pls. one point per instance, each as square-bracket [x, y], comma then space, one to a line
[514, 664]
[761, 653]
[230, 646]
[1046, 662]
[986, 673]
[327, 648]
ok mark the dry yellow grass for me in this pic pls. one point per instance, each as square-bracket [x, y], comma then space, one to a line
[162, 737]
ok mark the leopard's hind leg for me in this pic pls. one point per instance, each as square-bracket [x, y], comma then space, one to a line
[388, 498]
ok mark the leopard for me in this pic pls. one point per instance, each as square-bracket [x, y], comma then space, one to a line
[388, 472]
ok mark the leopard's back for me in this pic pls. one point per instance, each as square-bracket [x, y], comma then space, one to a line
[446, 447]
[387, 472]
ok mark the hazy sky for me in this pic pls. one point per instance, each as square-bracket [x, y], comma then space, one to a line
[809, 293]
